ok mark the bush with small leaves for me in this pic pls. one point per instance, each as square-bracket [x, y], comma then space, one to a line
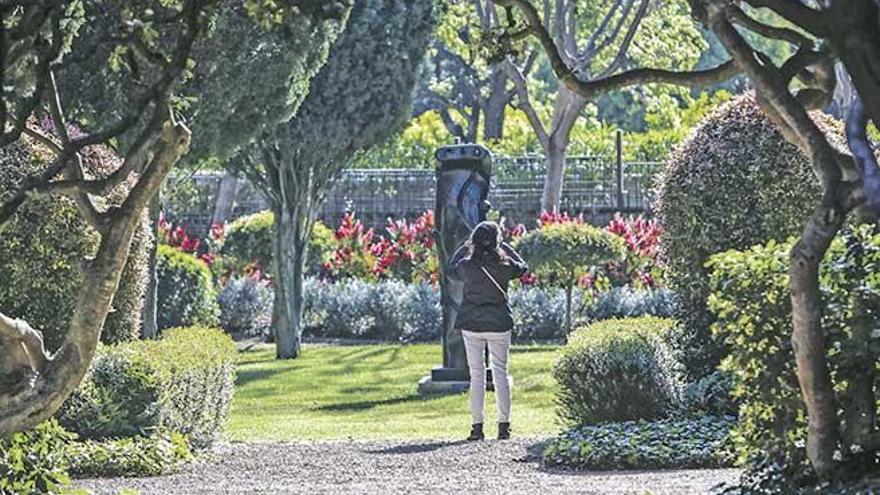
[157, 454]
[618, 370]
[182, 382]
[735, 182]
[752, 302]
[388, 310]
[43, 247]
[249, 239]
[186, 294]
[34, 461]
[246, 307]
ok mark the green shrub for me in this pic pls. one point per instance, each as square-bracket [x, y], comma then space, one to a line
[125, 318]
[249, 239]
[735, 182]
[712, 394]
[186, 293]
[752, 302]
[34, 461]
[665, 444]
[618, 370]
[562, 252]
[138, 456]
[182, 382]
[43, 246]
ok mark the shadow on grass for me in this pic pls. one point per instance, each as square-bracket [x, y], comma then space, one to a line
[245, 376]
[529, 350]
[417, 448]
[369, 404]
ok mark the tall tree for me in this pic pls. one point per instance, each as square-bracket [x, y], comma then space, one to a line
[468, 92]
[158, 41]
[358, 99]
[597, 39]
[825, 31]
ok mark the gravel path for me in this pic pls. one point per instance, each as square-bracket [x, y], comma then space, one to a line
[384, 467]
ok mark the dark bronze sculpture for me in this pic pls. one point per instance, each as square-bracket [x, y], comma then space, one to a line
[463, 174]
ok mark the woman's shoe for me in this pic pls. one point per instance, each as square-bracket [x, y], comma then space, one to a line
[503, 431]
[476, 432]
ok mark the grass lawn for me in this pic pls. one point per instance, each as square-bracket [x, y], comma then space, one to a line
[363, 392]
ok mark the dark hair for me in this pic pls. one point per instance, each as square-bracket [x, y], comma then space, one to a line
[486, 242]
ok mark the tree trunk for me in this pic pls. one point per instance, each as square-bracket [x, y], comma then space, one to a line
[150, 327]
[291, 236]
[569, 289]
[493, 109]
[566, 109]
[225, 199]
[808, 340]
[552, 194]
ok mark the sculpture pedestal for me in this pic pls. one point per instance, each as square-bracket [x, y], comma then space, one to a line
[443, 381]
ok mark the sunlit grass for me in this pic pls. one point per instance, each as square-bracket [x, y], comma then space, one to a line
[369, 392]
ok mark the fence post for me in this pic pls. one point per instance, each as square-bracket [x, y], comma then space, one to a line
[618, 169]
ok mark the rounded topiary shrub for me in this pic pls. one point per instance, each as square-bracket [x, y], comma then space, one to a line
[735, 182]
[186, 293]
[618, 370]
[43, 246]
[559, 253]
[249, 240]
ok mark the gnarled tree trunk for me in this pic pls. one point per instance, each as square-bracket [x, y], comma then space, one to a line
[808, 339]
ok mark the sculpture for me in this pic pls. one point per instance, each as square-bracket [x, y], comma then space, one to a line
[463, 175]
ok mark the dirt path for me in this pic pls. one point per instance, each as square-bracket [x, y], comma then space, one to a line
[385, 467]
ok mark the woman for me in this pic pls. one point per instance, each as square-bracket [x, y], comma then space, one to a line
[486, 266]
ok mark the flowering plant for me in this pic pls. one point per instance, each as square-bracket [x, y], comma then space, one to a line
[642, 240]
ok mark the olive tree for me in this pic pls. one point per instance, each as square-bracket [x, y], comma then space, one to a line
[145, 61]
[358, 99]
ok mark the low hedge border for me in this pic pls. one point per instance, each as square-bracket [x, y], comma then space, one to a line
[182, 382]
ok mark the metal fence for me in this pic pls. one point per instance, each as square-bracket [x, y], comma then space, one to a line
[594, 186]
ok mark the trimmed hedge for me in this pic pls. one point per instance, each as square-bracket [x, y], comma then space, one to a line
[186, 293]
[43, 246]
[735, 182]
[666, 444]
[182, 382]
[618, 370]
[249, 239]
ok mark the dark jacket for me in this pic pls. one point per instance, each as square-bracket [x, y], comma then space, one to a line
[484, 307]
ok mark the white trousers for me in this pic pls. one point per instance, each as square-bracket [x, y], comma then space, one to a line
[499, 348]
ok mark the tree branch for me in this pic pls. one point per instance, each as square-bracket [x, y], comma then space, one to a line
[795, 12]
[589, 89]
[737, 16]
[863, 153]
[525, 103]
